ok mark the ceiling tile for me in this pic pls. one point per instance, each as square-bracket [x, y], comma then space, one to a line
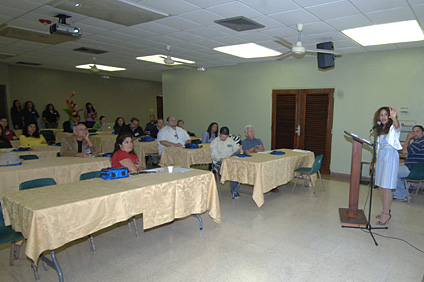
[202, 17]
[185, 36]
[367, 6]
[206, 32]
[178, 23]
[294, 17]
[309, 3]
[270, 7]
[174, 7]
[208, 3]
[234, 9]
[230, 40]
[155, 28]
[419, 11]
[392, 15]
[326, 11]
[349, 22]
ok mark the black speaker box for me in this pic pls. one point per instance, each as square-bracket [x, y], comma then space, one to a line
[325, 61]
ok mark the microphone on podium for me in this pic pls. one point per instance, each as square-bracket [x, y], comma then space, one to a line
[375, 126]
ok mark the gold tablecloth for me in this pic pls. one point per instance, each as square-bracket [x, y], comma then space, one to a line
[105, 142]
[264, 171]
[179, 156]
[61, 135]
[41, 151]
[62, 170]
[15, 143]
[143, 149]
[52, 216]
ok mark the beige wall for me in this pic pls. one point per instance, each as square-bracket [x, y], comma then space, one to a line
[242, 94]
[111, 97]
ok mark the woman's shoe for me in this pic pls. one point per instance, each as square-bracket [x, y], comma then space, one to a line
[379, 216]
[384, 222]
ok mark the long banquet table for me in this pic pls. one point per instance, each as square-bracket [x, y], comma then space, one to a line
[49, 217]
[264, 171]
[179, 156]
[62, 170]
[40, 151]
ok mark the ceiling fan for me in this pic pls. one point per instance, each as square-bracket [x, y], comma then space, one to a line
[93, 67]
[169, 61]
[298, 50]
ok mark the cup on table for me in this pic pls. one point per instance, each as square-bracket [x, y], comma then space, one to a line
[170, 169]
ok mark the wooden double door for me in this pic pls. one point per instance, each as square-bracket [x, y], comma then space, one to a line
[303, 119]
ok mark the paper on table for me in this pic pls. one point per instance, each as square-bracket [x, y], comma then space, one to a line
[265, 152]
[181, 169]
[300, 151]
[154, 169]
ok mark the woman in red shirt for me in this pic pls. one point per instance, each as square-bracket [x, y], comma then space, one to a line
[124, 155]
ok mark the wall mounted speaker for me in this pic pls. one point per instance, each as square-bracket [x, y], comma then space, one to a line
[325, 61]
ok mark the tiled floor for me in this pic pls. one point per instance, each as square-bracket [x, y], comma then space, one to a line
[292, 237]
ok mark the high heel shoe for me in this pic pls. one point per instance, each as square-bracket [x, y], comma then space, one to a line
[379, 216]
[384, 222]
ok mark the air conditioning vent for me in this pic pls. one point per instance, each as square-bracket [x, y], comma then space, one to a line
[90, 50]
[239, 23]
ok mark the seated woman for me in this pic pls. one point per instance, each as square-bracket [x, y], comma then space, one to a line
[7, 132]
[4, 142]
[31, 136]
[180, 124]
[210, 134]
[119, 125]
[124, 155]
[99, 124]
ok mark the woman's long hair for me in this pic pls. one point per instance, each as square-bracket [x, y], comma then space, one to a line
[210, 130]
[36, 133]
[120, 139]
[116, 121]
[26, 105]
[92, 110]
[381, 129]
[14, 105]
[47, 107]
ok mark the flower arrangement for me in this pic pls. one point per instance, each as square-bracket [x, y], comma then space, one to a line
[71, 107]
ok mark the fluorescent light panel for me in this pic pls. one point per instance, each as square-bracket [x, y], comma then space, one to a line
[248, 51]
[100, 67]
[407, 31]
[159, 59]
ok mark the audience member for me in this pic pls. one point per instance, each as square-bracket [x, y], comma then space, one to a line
[99, 124]
[51, 117]
[78, 144]
[69, 124]
[151, 127]
[119, 125]
[31, 136]
[7, 132]
[90, 115]
[211, 133]
[124, 156]
[172, 135]
[4, 142]
[180, 123]
[224, 147]
[415, 154]
[251, 144]
[29, 113]
[16, 114]
[134, 128]
[160, 124]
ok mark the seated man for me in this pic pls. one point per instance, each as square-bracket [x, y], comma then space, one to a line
[224, 147]
[68, 126]
[134, 128]
[415, 154]
[172, 135]
[151, 126]
[78, 144]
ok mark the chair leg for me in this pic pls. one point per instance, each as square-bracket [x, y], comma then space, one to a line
[408, 196]
[322, 184]
[294, 187]
[312, 184]
[91, 243]
[135, 227]
[35, 269]
[12, 253]
[420, 185]
[17, 251]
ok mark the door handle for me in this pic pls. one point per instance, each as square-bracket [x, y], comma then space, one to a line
[298, 130]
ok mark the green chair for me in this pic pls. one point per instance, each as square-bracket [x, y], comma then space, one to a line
[8, 235]
[306, 172]
[416, 176]
[90, 175]
[29, 157]
[36, 183]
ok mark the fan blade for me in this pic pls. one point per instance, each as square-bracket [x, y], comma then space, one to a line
[333, 52]
[283, 42]
[187, 65]
[284, 55]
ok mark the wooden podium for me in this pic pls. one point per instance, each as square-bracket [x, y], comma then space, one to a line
[353, 217]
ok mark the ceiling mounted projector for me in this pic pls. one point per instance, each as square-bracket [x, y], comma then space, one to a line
[62, 28]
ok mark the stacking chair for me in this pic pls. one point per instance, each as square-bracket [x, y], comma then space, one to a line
[49, 136]
[36, 183]
[90, 175]
[306, 172]
[29, 157]
[8, 235]
[416, 176]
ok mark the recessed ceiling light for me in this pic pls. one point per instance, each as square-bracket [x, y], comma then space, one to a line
[100, 67]
[248, 51]
[159, 59]
[407, 31]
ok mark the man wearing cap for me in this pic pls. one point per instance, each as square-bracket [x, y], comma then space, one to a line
[78, 144]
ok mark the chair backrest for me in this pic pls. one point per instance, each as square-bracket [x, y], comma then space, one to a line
[49, 136]
[1, 218]
[29, 157]
[90, 175]
[35, 183]
[417, 172]
[317, 164]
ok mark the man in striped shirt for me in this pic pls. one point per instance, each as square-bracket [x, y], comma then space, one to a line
[415, 154]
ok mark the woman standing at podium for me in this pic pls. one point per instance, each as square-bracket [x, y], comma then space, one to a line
[388, 133]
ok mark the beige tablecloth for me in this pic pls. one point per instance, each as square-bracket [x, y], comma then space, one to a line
[105, 142]
[61, 135]
[264, 171]
[41, 151]
[143, 149]
[179, 156]
[62, 170]
[52, 216]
